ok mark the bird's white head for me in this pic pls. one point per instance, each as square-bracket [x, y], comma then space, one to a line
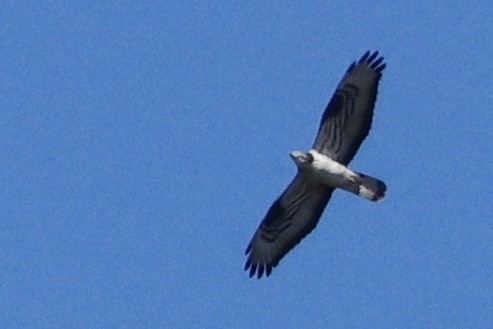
[301, 159]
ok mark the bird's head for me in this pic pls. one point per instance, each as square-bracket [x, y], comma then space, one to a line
[301, 159]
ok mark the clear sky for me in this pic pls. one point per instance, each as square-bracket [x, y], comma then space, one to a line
[141, 143]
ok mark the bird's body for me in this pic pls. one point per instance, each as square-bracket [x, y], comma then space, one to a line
[325, 171]
[345, 123]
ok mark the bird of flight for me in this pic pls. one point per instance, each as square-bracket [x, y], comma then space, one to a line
[345, 123]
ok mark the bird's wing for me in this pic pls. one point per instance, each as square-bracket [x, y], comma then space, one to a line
[347, 118]
[290, 218]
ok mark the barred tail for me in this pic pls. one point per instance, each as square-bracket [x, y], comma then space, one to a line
[369, 187]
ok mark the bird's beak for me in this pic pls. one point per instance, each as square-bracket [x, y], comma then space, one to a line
[296, 156]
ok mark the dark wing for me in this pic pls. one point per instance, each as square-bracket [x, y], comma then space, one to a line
[290, 218]
[347, 119]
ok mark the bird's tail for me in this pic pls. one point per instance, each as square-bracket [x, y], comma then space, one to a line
[368, 187]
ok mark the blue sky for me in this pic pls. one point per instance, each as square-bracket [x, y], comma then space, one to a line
[142, 143]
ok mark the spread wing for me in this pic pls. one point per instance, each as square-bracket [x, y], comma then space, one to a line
[290, 218]
[347, 119]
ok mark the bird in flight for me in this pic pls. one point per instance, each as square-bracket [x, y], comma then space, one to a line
[345, 123]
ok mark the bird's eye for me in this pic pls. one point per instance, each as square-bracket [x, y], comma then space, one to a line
[309, 158]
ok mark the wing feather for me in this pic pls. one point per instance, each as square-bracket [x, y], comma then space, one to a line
[347, 118]
[290, 218]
